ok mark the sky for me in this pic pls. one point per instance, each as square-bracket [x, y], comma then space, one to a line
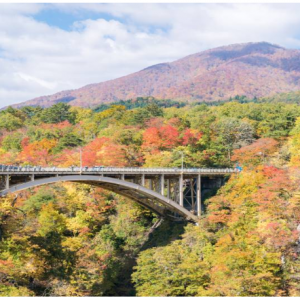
[47, 48]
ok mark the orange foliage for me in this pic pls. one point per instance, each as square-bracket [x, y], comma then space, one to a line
[9, 158]
[103, 151]
[37, 153]
[68, 158]
[58, 126]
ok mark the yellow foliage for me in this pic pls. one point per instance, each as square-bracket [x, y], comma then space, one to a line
[51, 220]
[161, 159]
[72, 243]
[12, 291]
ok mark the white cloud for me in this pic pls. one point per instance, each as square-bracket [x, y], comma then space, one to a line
[37, 59]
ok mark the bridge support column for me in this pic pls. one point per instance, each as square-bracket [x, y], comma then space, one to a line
[192, 195]
[181, 190]
[123, 177]
[32, 177]
[168, 189]
[162, 184]
[143, 180]
[151, 184]
[6, 182]
[199, 195]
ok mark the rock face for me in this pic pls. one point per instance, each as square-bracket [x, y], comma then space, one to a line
[252, 69]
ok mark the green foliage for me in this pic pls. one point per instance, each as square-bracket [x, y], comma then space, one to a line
[291, 97]
[13, 291]
[141, 102]
[9, 121]
[34, 203]
[130, 223]
[31, 112]
[12, 142]
[231, 133]
[57, 113]
[140, 115]
[174, 270]
[69, 140]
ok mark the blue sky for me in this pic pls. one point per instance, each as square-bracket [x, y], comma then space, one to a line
[65, 19]
[47, 48]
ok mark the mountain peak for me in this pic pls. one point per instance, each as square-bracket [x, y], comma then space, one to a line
[251, 46]
[251, 69]
[238, 50]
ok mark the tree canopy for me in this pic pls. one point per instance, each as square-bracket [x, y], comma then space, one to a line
[77, 240]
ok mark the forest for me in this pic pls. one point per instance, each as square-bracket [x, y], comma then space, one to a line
[76, 240]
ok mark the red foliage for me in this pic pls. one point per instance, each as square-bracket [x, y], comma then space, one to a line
[191, 137]
[165, 137]
[6, 263]
[277, 235]
[256, 152]
[271, 171]
[25, 142]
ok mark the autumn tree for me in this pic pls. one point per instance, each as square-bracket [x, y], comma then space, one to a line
[38, 152]
[232, 134]
[165, 137]
[102, 151]
[57, 113]
[256, 153]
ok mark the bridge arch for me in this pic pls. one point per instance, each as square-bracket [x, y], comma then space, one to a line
[150, 199]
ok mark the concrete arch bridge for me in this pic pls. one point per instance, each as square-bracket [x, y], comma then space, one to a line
[169, 192]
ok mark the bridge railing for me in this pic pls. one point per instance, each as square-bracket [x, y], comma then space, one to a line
[38, 169]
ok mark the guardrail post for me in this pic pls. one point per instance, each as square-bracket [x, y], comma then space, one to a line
[199, 195]
[181, 190]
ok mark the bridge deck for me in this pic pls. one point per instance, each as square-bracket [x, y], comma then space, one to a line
[9, 170]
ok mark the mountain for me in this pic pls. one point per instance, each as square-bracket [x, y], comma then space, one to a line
[251, 69]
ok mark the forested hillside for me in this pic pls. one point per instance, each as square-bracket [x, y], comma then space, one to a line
[77, 240]
[250, 69]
